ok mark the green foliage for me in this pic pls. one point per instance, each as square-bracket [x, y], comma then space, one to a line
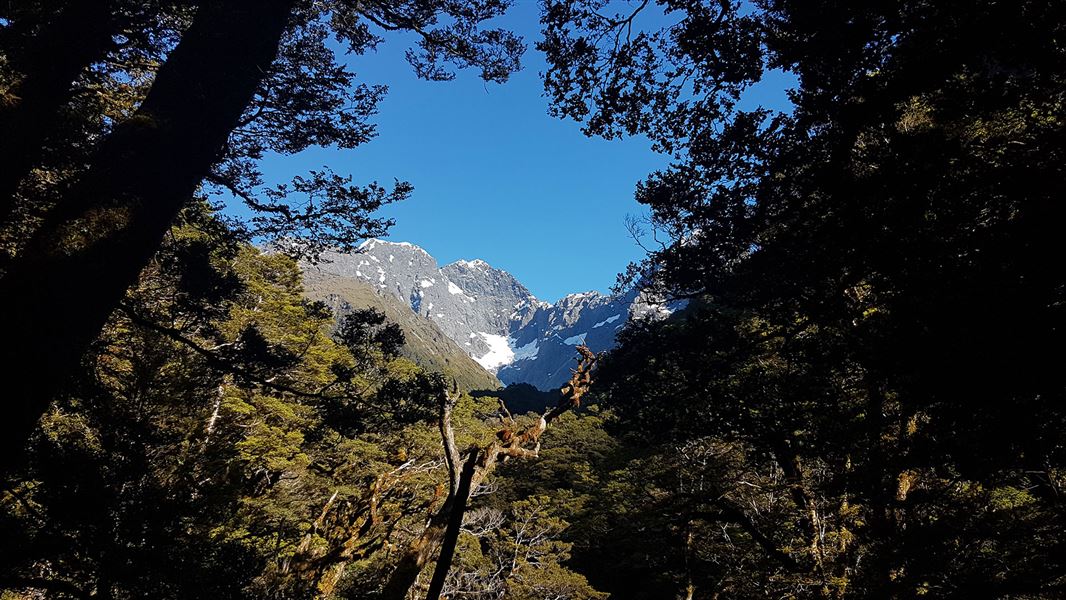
[361, 329]
[862, 399]
[199, 452]
[517, 554]
[875, 321]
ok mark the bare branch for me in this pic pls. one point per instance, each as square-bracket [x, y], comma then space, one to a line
[451, 453]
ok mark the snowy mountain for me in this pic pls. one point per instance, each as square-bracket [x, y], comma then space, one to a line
[426, 344]
[488, 312]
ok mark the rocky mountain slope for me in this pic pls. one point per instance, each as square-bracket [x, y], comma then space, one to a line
[426, 344]
[486, 311]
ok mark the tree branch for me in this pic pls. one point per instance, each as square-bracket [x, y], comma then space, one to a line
[451, 453]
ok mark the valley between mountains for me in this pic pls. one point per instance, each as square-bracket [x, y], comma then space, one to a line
[471, 320]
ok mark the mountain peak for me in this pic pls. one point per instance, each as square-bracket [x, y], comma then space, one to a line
[582, 296]
[372, 243]
[477, 263]
[495, 319]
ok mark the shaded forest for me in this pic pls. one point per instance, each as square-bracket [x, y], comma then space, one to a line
[864, 397]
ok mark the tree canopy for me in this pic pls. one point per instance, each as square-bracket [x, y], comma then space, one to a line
[862, 397]
[875, 313]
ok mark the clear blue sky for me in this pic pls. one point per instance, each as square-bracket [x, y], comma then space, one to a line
[495, 177]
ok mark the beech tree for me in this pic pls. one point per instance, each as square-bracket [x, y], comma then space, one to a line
[102, 231]
[862, 399]
[49, 48]
[874, 318]
[467, 472]
[222, 438]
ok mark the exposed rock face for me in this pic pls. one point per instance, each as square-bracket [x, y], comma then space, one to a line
[489, 313]
[426, 345]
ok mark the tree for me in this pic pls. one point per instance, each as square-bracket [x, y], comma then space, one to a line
[51, 48]
[101, 236]
[873, 312]
[517, 553]
[466, 474]
[105, 229]
[219, 441]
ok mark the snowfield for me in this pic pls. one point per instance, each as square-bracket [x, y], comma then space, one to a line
[499, 353]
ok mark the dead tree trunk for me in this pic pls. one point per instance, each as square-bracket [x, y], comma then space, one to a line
[451, 534]
[421, 550]
[100, 236]
[509, 443]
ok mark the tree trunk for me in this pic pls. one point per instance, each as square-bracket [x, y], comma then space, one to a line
[421, 550]
[451, 534]
[418, 553]
[481, 463]
[95, 242]
[405, 574]
[78, 37]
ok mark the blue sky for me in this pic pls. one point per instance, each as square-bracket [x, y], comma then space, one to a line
[495, 177]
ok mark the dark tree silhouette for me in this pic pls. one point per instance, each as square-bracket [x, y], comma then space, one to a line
[204, 107]
[875, 307]
[107, 229]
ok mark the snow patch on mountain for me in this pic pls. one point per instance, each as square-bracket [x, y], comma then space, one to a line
[490, 314]
[526, 352]
[574, 340]
[499, 354]
[610, 319]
